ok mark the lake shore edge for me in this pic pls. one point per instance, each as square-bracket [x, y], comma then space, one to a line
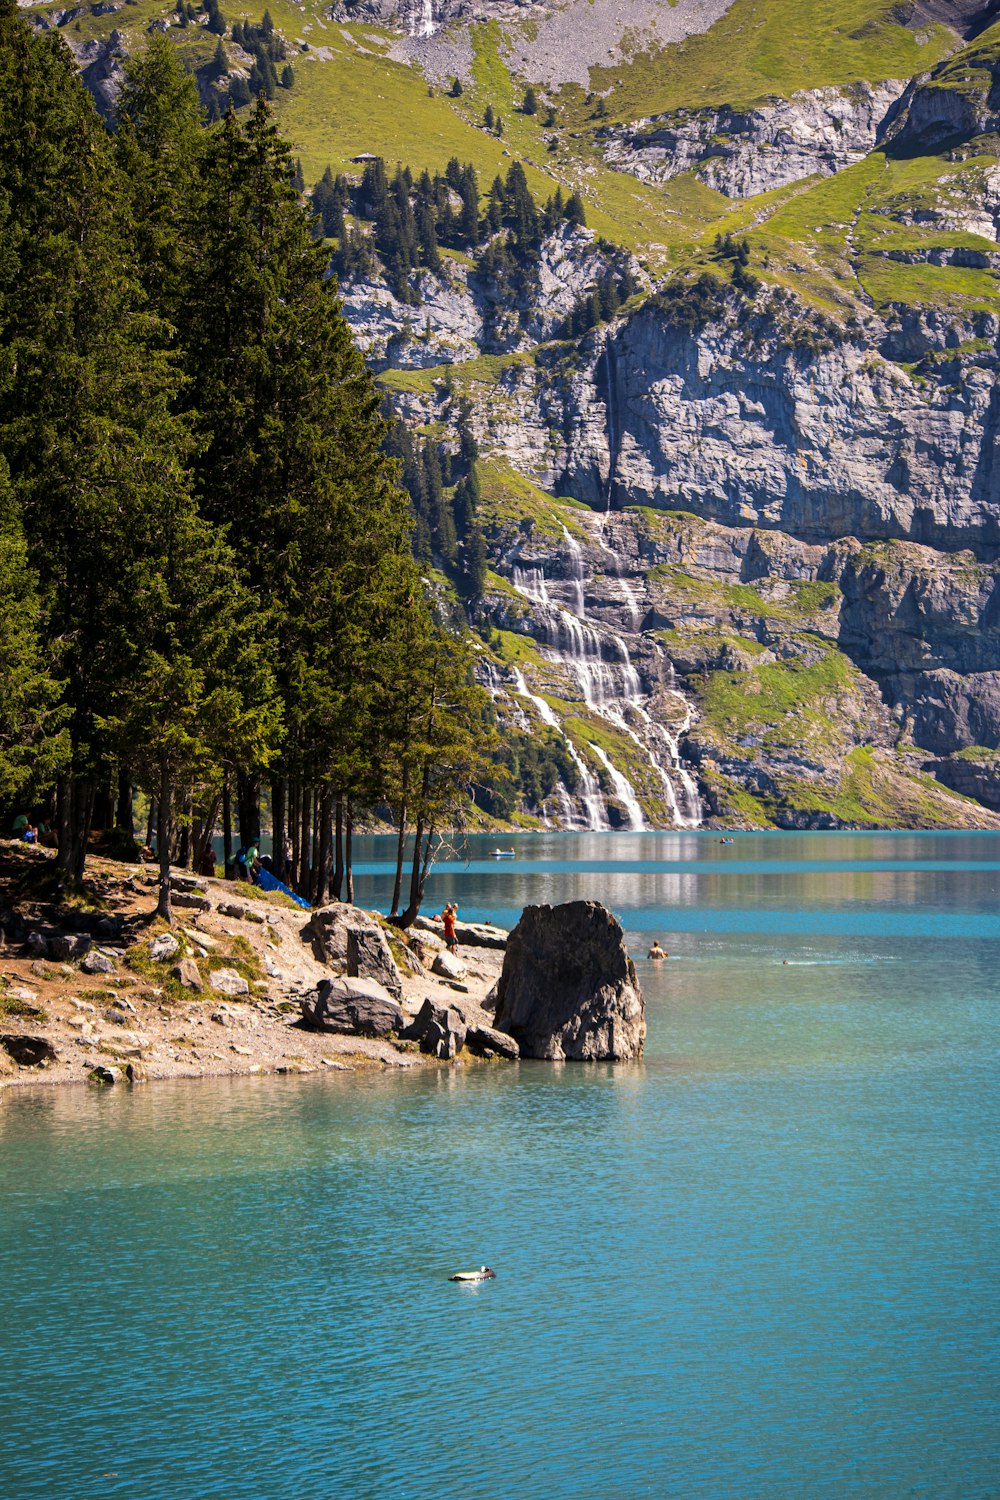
[111, 1011]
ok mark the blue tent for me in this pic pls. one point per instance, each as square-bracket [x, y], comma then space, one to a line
[267, 882]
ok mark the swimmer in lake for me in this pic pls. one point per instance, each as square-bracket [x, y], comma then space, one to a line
[656, 951]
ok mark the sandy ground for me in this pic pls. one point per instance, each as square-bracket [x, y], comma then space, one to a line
[138, 1015]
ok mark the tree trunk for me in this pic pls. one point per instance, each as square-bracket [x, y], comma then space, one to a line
[278, 802]
[75, 803]
[315, 872]
[151, 822]
[413, 905]
[302, 884]
[184, 845]
[227, 825]
[325, 847]
[102, 814]
[248, 809]
[338, 868]
[349, 853]
[294, 802]
[124, 814]
[206, 831]
[397, 884]
[164, 839]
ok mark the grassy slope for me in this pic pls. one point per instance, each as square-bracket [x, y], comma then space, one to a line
[764, 47]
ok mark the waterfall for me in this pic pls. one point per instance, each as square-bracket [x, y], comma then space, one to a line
[422, 19]
[590, 787]
[624, 789]
[531, 583]
[577, 572]
[598, 661]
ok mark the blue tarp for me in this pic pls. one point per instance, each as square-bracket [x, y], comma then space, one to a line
[267, 882]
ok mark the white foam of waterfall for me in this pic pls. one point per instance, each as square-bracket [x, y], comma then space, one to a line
[631, 599]
[624, 790]
[590, 787]
[577, 572]
[610, 686]
[422, 21]
[686, 808]
[531, 583]
[544, 711]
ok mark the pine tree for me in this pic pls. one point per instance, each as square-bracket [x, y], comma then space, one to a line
[530, 103]
[86, 416]
[488, 117]
[575, 213]
[34, 745]
[456, 89]
[290, 461]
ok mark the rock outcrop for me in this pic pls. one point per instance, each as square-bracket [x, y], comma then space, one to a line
[568, 987]
[352, 1006]
[742, 152]
[369, 957]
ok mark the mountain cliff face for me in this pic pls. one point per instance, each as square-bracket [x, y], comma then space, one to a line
[744, 533]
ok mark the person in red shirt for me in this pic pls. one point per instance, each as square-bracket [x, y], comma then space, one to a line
[448, 918]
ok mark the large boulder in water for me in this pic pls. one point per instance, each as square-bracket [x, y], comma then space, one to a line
[568, 987]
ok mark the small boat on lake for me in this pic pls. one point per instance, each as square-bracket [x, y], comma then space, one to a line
[483, 1274]
[502, 854]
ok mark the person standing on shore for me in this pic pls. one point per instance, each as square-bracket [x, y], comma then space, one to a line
[448, 918]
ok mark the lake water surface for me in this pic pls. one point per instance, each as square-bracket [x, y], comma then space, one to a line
[762, 1263]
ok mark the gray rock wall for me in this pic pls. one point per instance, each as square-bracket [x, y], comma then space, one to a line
[742, 152]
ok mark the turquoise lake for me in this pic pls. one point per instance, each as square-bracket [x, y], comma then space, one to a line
[759, 1265]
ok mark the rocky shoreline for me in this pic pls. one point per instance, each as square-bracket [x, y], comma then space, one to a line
[100, 991]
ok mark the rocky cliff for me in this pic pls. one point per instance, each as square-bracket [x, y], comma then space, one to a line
[743, 534]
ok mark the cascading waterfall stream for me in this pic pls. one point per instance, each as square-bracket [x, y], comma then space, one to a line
[600, 663]
[422, 19]
[590, 787]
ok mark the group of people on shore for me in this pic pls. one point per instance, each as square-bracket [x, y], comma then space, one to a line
[27, 832]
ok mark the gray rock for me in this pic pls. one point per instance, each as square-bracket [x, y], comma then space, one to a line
[370, 957]
[239, 912]
[221, 1018]
[356, 1007]
[568, 987]
[186, 972]
[228, 982]
[742, 152]
[28, 1051]
[330, 926]
[486, 1041]
[192, 903]
[104, 1075]
[38, 945]
[67, 945]
[438, 1029]
[97, 963]
[188, 885]
[163, 947]
[447, 966]
[135, 1071]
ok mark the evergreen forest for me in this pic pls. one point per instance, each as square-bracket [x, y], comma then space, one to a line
[211, 580]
